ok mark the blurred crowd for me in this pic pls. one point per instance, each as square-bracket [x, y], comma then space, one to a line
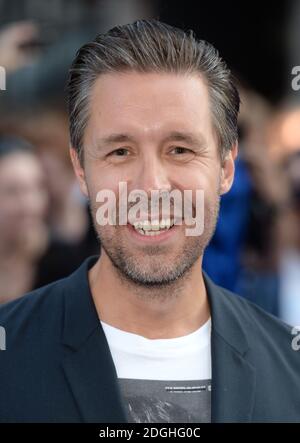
[45, 226]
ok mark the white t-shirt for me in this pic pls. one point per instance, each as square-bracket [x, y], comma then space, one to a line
[163, 380]
[183, 358]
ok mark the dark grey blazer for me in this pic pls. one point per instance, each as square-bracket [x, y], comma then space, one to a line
[57, 366]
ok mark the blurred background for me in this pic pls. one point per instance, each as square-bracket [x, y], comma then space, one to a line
[45, 226]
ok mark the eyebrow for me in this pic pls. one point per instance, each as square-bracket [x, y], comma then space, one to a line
[113, 138]
[179, 136]
[187, 137]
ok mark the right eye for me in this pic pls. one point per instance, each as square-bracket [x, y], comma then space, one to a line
[120, 152]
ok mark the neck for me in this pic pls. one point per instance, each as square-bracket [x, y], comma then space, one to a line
[167, 311]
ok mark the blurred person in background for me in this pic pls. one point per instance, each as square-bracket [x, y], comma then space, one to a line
[23, 227]
[289, 234]
[14, 38]
[284, 141]
[243, 253]
[258, 279]
[46, 127]
[33, 252]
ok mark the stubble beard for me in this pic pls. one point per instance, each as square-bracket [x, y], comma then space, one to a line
[155, 272]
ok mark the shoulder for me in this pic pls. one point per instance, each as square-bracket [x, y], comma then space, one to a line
[265, 333]
[34, 311]
[38, 317]
[252, 314]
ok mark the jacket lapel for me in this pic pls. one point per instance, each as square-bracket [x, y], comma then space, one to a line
[233, 377]
[233, 384]
[87, 364]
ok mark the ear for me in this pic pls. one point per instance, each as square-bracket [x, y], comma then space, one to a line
[227, 172]
[79, 171]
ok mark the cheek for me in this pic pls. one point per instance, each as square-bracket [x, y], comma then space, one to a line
[205, 192]
[10, 209]
[98, 179]
[208, 183]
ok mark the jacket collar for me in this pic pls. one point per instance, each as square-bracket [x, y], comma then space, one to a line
[91, 372]
[233, 375]
[81, 318]
[225, 321]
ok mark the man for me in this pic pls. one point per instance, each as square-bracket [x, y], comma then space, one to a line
[140, 334]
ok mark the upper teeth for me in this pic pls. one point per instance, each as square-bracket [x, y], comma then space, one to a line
[155, 225]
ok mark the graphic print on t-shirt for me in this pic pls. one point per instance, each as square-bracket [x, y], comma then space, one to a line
[165, 401]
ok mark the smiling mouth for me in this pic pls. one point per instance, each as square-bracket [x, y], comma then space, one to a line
[153, 229]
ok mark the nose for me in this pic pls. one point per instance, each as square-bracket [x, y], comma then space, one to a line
[152, 174]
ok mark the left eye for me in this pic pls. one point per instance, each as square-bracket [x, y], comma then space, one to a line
[181, 150]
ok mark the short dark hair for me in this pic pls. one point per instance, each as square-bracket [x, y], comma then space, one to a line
[152, 46]
[10, 144]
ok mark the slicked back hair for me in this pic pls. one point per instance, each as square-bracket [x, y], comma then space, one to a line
[148, 46]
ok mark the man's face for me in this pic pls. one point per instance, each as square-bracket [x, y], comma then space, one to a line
[154, 132]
